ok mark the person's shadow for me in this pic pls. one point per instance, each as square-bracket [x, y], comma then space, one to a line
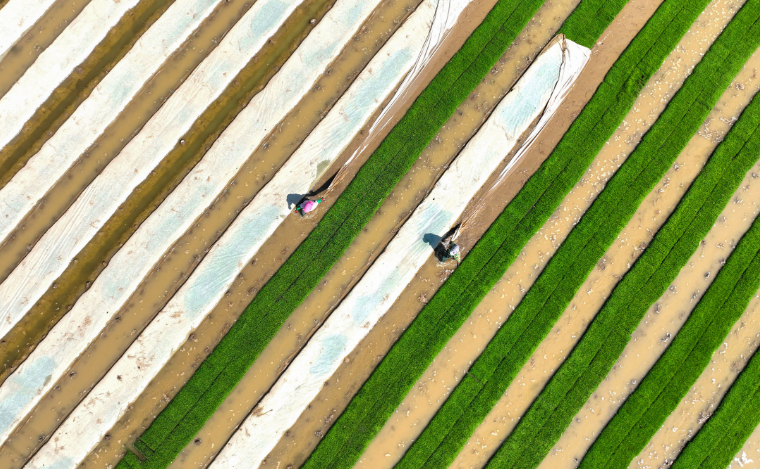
[294, 199]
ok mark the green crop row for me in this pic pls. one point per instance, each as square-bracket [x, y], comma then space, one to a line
[223, 369]
[644, 412]
[487, 262]
[737, 416]
[552, 292]
[607, 336]
[589, 20]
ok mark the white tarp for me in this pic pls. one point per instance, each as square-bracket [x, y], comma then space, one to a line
[16, 17]
[100, 200]
[121, 278]
[371, 298]
[107, 402]
[108, 99]
[447, 13]
[70, 49]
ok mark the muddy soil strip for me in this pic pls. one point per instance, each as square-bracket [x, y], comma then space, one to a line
[51, 68]
[106, 102]
[77, 86]
[79, 274]
[508, 292]
[101, 199]
[172, 219]
[749, 456]
[727, 362]
[705, 395]
[162, 282]
[17, 17]
[406, 253]
[241, 241]
[665, 318]
[41, 32]
[295, 447]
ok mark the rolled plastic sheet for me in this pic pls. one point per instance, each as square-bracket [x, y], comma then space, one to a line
[447, 13]
[384, 281]
[22, 193]
[99, 201]
[108, 401]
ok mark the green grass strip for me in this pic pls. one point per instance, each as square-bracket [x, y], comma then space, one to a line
[724, 434]
[589, 20]
[545, 301]
[659, 393]
[223, 369]
[607, 336]
[487, 262]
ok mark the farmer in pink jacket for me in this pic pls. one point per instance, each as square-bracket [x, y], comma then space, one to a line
[307, 206]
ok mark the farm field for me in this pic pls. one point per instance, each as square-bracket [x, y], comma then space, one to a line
[226, 231]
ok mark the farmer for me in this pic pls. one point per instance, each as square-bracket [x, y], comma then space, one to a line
[307, 206]
[452, 252]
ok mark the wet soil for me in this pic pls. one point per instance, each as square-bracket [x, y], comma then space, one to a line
[23, 54]
[73, 90]
[665, 318]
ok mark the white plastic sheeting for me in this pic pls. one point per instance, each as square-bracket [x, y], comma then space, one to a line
[563, 88]
[104, 104]
[70, 49]
[17, 16]
[113, 287]
[61, 243]
[371, 298]
[447, 13]
[206, 286]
